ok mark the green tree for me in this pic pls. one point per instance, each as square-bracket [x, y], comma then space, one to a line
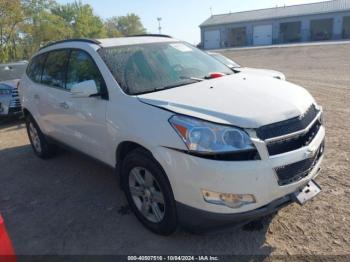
[111, 28]
[11, 16]
[32, 7]
[48, 27]
[26, 25]
[41, 26]
[125, 25]
[82, 19]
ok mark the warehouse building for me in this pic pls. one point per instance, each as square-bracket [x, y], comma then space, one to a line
[289, 24]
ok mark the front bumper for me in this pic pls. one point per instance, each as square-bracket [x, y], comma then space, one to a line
[10, 107]
[188, 175]
[197, 220]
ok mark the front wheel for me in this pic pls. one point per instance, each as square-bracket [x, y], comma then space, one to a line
[149, 193]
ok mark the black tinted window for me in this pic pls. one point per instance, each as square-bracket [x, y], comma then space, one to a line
[54, 73]
[35, 68]
[82, 68]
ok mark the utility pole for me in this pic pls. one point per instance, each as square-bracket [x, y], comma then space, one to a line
[159, 26]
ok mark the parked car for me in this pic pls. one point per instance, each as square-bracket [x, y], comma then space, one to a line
[237, 68]
[191, 148]
[9, 78]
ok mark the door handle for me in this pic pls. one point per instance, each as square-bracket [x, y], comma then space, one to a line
[36, 96]
[64, 105]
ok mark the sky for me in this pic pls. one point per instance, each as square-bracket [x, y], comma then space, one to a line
[180, 18]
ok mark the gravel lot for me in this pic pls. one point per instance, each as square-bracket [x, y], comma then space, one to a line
[72, 205]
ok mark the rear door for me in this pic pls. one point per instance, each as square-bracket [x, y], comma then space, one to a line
[33, 92]
[53, 92]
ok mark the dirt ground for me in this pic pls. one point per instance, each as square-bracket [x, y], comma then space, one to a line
[72, 205]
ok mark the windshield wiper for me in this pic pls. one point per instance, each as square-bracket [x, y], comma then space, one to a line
[192, 78]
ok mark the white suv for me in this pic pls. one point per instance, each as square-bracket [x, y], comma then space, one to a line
[194, 143]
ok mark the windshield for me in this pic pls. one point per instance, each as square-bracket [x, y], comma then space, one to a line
[152, 67]
[12, 71]
[225, 60]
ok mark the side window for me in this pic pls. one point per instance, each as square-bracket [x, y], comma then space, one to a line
[82, 68]
[35, 68]
[54, 73]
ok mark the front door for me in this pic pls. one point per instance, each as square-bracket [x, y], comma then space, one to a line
[88, 115]
[78, 122]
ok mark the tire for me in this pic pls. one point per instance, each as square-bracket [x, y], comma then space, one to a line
[151, 200]
[41, 147]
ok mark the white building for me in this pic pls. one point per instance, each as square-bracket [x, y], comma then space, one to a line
[299, 23]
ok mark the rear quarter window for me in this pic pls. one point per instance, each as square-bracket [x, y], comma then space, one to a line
[35, 68]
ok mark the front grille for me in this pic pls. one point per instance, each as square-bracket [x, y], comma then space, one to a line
[295, 142]
[15, 92]
[15, 101]
[288, 126]
[294, 172]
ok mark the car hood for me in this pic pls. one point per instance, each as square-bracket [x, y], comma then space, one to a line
[243, 100]
[10, 83]
[261, 72]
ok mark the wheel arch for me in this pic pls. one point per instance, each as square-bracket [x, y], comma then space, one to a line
[123, 149]
[26, 112]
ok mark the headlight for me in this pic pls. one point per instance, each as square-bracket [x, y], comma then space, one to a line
[5, 92]
[205, 137]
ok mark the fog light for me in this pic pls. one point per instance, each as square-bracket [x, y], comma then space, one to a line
[229, 200]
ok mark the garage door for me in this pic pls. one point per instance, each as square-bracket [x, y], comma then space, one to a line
[262, 35]
[321, 29]
[346, 27]
[212, 39]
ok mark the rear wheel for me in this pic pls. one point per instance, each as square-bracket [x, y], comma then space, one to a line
[39, 143]
[149, 193]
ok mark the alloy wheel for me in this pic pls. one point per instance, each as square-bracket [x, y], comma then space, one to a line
[147, 194]
[35, 137]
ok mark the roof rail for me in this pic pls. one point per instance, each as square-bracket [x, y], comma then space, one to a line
[151, 35]
[86, 40]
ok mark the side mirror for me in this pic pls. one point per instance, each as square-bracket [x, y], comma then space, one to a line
[84, 89]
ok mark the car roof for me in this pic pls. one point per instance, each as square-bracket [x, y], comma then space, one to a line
[134, 40]
[9, 83]
[109, 42]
